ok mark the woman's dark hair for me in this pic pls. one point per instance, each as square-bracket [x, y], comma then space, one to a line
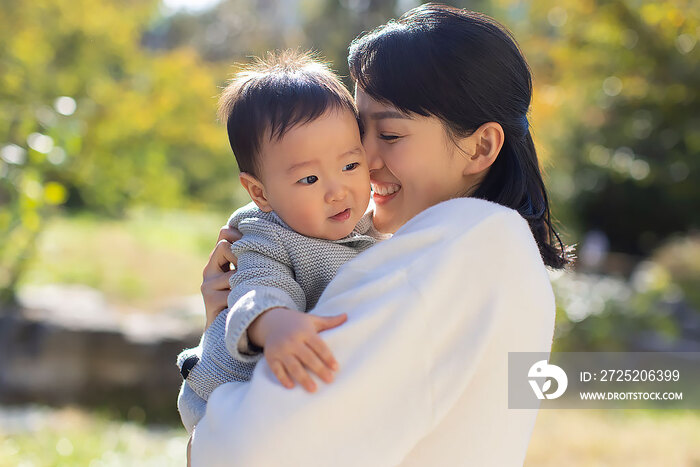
[272, 95]
[466, 69]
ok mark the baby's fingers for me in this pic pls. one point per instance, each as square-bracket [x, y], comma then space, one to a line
[297, 371]
[309, 358]
[322, 350]
[278, 369]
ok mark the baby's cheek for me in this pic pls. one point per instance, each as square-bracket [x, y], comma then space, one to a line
[313, 215]
[363, 199]
[362, 188]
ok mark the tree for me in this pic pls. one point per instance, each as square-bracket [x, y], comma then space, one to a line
[616, 108]
[91, 120]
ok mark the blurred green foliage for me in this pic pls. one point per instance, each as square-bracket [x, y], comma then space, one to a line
[106, 105]
[616, 119]
[617, 109]
[153, 256]
[91, 120]
[655, 308]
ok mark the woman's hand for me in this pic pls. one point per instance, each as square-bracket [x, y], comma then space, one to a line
[215, 283]
[292, 345]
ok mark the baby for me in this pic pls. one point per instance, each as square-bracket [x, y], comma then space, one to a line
[294, 131]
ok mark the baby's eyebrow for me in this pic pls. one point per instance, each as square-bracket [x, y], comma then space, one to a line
[299, 165]
[352, 151]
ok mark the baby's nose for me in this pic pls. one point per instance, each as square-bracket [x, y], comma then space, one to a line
[336, 192]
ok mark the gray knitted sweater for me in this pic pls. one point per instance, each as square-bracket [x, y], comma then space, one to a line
[277, 267]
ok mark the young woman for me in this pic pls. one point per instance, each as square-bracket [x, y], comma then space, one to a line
[432, 313]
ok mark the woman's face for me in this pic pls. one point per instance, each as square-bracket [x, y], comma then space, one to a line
[413, 163]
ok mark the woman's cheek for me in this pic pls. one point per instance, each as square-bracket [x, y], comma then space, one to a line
[391, 159]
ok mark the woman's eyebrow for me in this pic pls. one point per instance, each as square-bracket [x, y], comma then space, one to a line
[387, 114]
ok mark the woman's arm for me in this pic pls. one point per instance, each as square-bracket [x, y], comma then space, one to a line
[422, 307]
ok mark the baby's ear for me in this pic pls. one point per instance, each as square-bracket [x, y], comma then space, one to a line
[256, 190]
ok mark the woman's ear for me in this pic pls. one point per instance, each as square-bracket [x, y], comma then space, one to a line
[483, 146]
[256, 190]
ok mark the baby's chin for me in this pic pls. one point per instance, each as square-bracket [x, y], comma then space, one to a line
[337, 235]
[336, 232]
[329, 228]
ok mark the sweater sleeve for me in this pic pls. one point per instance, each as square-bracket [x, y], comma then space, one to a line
[214, 364]
[190, 406]
[421, 309]
[265, 279]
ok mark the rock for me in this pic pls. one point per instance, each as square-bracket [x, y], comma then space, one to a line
[67, 345]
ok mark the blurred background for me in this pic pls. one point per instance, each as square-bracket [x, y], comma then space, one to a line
[115, 177]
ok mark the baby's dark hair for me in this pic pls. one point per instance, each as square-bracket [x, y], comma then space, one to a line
[270, 96]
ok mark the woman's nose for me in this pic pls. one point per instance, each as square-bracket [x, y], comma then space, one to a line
[374, 161]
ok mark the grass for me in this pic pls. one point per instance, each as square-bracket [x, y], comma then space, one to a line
[137, 261]
[37, 436]
[588, 438]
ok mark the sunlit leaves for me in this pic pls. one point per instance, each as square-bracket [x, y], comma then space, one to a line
[92, 120]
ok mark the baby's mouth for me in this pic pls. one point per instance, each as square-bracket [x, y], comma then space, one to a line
[342, 215]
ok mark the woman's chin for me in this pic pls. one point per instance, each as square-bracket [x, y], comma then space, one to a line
[385, 222]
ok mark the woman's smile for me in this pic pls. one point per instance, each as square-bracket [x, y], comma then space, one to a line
[383, 192]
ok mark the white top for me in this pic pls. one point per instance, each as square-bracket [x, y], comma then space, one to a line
[432, 315]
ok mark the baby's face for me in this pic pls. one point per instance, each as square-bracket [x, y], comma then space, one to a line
[316, 177]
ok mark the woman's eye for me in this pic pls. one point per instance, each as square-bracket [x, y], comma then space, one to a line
[352, 166]
[309, 180]
[388, 137]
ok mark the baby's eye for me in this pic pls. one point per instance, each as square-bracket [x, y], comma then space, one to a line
[308, 180]
[352, 166]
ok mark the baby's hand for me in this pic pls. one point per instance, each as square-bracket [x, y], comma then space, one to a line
[292, 345]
